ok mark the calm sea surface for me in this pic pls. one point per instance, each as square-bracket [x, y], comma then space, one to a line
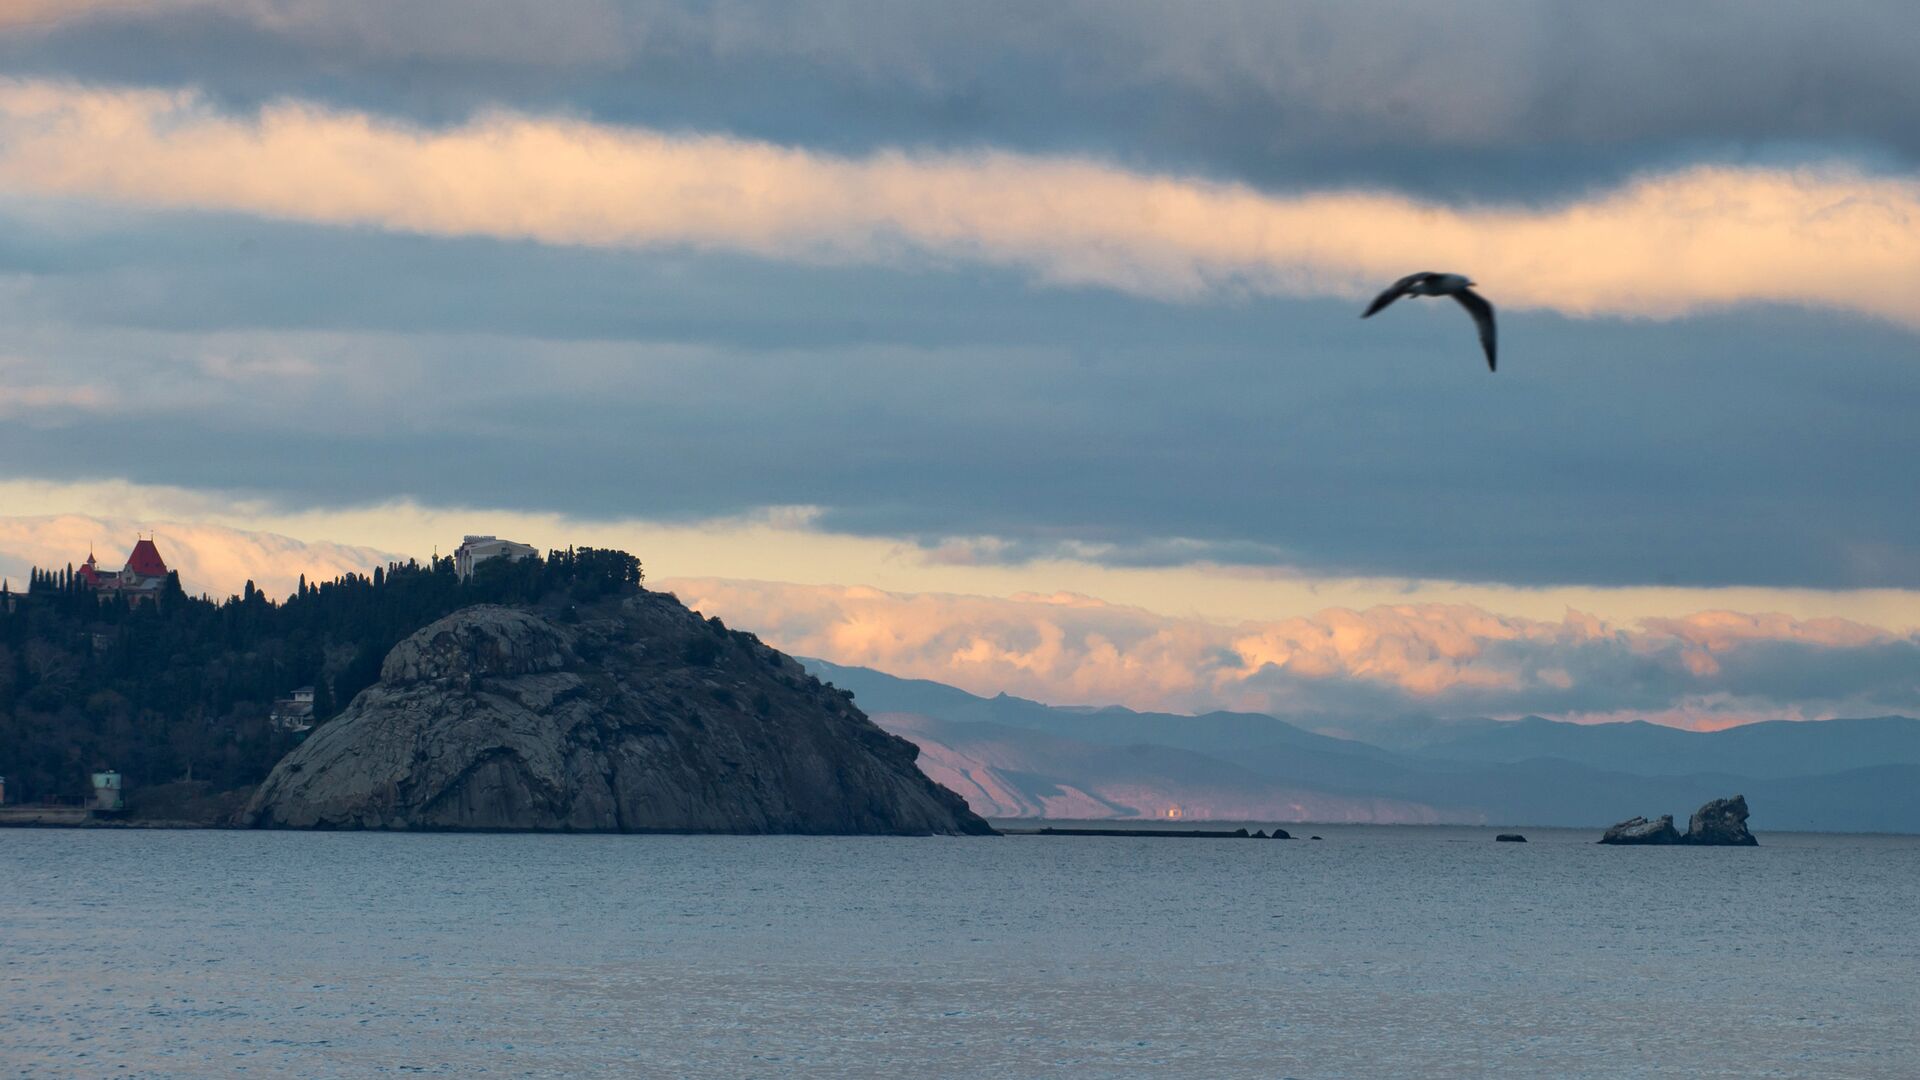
[1421, 952]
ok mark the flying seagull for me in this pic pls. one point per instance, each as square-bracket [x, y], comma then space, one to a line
[1428, 283]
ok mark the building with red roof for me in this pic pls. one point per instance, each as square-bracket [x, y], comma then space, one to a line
[142, 578]
[145, 560]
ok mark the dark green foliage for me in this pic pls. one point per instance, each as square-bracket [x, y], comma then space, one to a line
[181, 690]
[361, 672]
[324, 705]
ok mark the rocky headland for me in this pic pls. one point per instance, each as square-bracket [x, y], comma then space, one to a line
[1719, 823]
[632, 714]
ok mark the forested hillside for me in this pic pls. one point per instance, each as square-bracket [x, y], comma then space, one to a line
[181, 689]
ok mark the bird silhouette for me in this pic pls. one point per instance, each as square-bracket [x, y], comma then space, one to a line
[1428, 283]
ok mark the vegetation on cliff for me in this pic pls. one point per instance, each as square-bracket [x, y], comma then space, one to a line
[182, 689]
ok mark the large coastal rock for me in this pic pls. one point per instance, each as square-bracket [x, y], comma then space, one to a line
[1720, 823]
[1641, 831]
[636, 715]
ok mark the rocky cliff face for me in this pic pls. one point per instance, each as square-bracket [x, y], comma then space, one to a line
[636, 715]
[1722, 822]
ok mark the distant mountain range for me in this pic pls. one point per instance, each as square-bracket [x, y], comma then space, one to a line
[1016, 758]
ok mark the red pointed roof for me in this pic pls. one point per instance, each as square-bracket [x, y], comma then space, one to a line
[146, 560]
[88, 572]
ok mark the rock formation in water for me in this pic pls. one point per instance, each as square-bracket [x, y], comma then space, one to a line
[1510, 838]
[631, 715]
[1720, 823]
[1641, 831]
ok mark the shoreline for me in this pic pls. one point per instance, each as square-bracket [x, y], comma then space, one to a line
[1059, 827]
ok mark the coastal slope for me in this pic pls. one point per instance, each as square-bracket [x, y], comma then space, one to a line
[630, 715]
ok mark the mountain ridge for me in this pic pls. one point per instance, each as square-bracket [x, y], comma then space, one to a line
[1012, 753]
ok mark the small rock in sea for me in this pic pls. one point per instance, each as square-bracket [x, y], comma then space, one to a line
[1511, 838]
[1281, 834]
[1259, 834]
[1313, 838]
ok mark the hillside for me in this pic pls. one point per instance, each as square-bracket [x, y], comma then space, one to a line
[468, 694]
[1018, 772]
[629, 714]
[181, 690]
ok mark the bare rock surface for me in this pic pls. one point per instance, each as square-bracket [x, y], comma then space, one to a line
[1639, 830]
[633, 715]
[1722, 822]
[1719, 823]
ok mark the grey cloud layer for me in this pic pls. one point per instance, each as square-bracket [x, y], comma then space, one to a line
[988, 421]
[959, 406]
[1471, 99]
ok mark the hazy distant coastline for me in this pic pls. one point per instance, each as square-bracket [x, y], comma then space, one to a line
[1021, 760]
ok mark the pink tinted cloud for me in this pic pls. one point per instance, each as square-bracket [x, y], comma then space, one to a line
[210, 558]
[1448, 659]
[1719, 631]
[45, 14]
[1659, 245]
[26, 400]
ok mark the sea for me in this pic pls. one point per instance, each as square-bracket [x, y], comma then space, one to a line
[1376, 951]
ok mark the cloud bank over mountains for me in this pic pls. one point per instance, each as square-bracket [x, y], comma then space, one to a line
[211, 559]
[1707, 670]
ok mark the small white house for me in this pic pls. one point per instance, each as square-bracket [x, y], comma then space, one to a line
[474, 550]
[106, 791]
[295, 711]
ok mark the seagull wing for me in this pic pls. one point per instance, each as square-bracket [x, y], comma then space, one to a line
[1482, 313]
[1394, 292]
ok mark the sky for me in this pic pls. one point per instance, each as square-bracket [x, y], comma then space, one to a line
[1011, 345]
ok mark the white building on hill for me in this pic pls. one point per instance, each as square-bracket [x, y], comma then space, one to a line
[295, 711]
[475, 550]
